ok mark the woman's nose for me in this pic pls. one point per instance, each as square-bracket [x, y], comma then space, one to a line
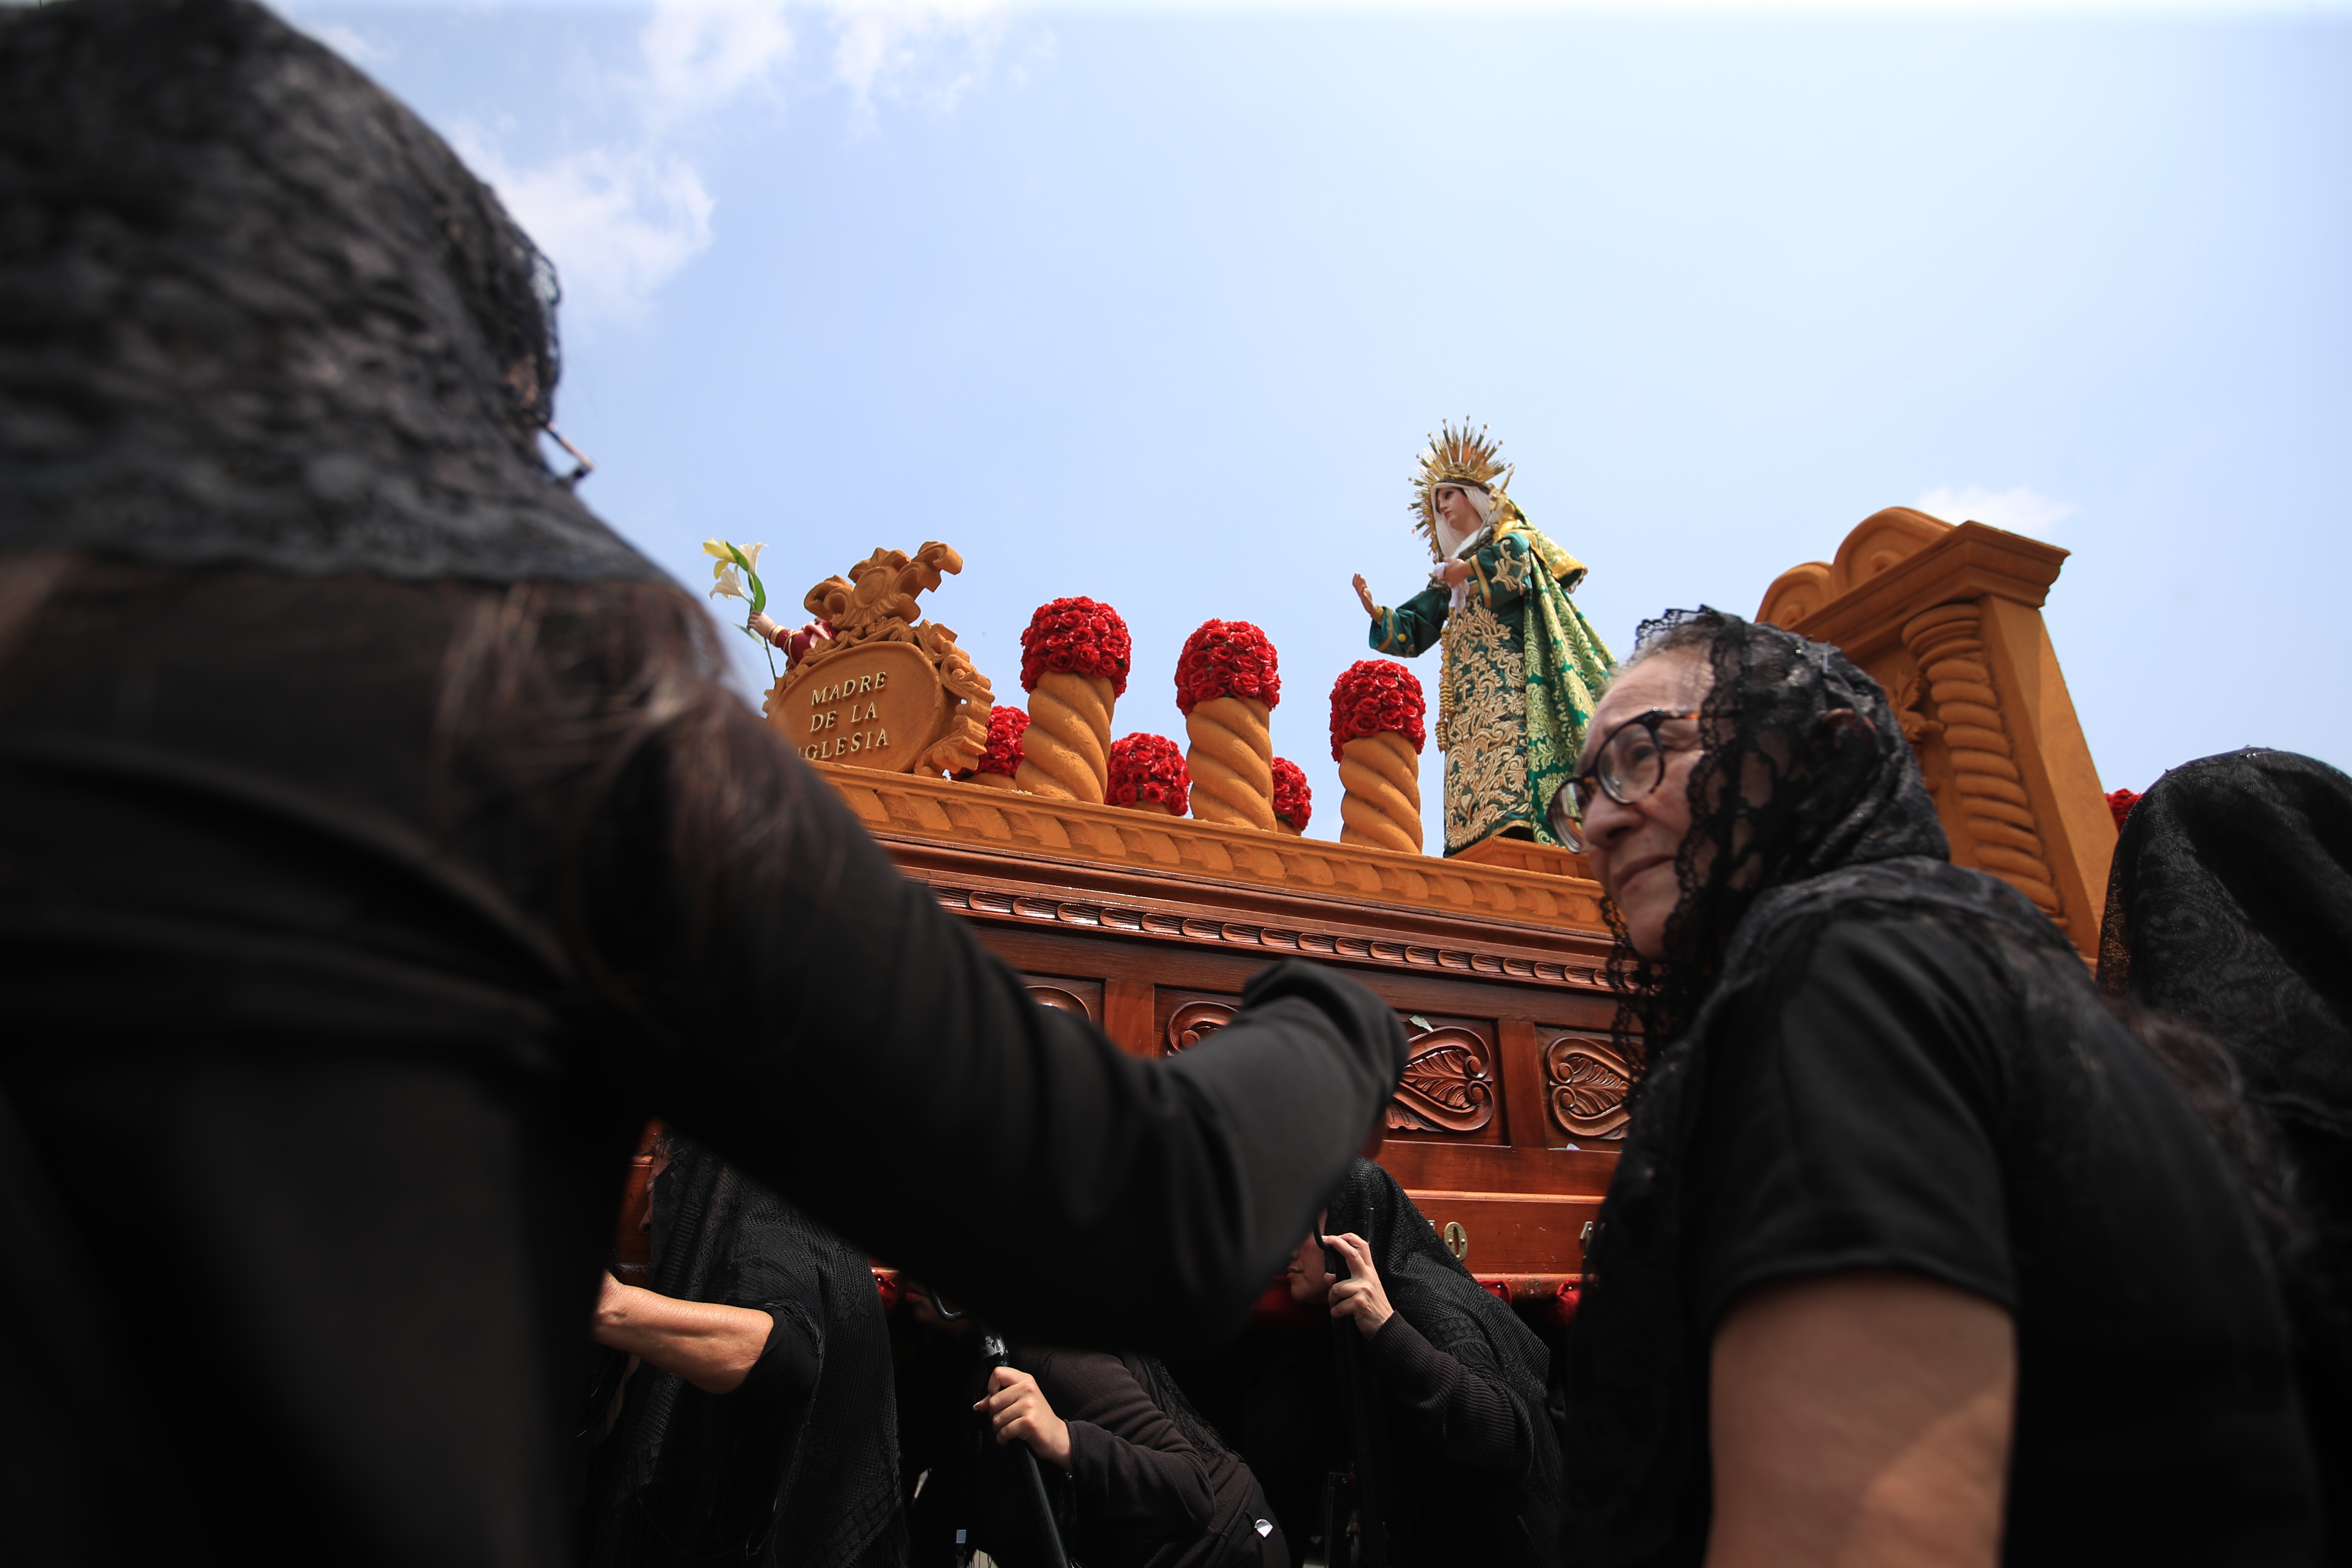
[1605, 821]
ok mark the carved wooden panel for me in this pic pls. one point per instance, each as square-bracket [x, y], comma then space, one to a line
[1448, 1089]
[1585, 1082]
[1083, 997]
[1448, 1084]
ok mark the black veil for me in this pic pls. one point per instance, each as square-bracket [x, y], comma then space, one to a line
[688, 1476]
[257, 312]
[2229, 906]
[1455, 1314]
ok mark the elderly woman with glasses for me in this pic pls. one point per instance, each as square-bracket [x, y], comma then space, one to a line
[1915, 1255]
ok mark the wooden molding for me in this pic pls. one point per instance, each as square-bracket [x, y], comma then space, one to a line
[1024, 858]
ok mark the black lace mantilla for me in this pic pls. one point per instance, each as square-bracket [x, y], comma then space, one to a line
[252, 311]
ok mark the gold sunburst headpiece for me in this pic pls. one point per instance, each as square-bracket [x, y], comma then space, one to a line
[1455, 457]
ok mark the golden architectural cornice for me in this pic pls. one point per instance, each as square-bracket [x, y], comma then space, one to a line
[1948, 621]
[1898, 562]
[999, 855]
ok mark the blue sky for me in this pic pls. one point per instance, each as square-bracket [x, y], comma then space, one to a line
[1158, 305]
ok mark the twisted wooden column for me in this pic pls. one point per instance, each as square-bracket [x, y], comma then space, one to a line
[1232, 758]
[1989, 792]
[1382, 776]
[1066, 751]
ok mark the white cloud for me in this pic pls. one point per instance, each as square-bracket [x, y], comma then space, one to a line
[620, 218]
[2020, 510]
[618, 222]
[700, 54]
[932, 51]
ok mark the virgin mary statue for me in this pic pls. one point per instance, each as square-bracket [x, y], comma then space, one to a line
[1522, 665]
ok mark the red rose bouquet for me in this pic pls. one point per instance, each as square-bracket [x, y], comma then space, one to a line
[1376, 696]
[1149, 767]
[1003, 754]
[1293, 801]
[1226, 658]
[1078, 636]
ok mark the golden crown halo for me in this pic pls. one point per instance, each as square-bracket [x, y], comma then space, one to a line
[1456, 457]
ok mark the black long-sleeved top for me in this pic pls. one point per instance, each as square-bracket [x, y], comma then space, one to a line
[334, 993]
[1143, 1494]
[1461, 1414]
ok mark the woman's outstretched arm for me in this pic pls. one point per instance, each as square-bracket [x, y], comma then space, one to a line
[820, 1021]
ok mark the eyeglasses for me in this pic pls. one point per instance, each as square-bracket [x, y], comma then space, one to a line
[1629, 765]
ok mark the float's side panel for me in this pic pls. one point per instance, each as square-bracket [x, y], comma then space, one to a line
[1505, 1126]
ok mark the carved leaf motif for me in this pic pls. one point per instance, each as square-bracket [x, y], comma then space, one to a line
[1195, 1022]
[1588, 1083]
[1447, 1085]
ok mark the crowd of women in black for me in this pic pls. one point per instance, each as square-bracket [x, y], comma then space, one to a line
[381, 846]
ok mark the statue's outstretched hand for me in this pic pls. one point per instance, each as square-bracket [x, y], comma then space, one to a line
[1364, 595]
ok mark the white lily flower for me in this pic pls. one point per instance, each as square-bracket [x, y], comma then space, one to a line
[752, 554]
[730, 584]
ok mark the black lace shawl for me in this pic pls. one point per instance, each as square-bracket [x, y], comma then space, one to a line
[2230, 905]
[1833, 819]
[1429, 1286]
[689, 1477]
[256, 313]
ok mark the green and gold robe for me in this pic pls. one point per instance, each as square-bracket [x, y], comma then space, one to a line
[1522, 667]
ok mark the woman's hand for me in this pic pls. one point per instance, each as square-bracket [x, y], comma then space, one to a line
[764, 624]
[1017, 1406]
[1364, 597]
[1456, 572]
[1359, 1296]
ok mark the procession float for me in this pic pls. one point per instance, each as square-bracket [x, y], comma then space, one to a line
[1141, 883]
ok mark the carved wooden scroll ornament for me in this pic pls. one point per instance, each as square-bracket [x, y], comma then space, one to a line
[1586, 1082]
[1448, 1084]
[1195, 1022]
